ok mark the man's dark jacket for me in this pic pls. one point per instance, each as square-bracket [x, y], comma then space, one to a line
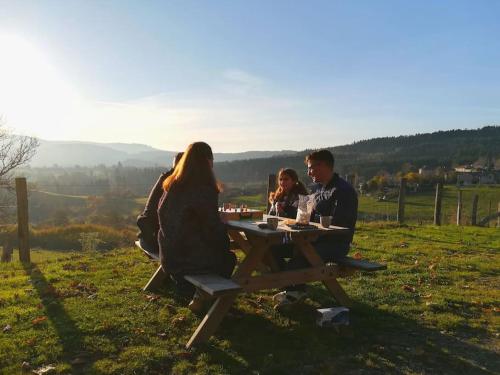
[339, 200]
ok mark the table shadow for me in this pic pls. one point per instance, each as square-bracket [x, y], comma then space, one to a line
[376, 342]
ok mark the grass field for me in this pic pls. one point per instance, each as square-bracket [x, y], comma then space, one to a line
[434, 311]
[420, 206]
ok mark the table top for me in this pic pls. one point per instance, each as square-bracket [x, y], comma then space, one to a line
[251, 227]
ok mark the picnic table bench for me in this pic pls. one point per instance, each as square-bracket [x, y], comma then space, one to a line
[255, 243]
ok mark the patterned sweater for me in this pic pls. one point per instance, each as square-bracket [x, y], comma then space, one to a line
[290, 203]
[192, 237]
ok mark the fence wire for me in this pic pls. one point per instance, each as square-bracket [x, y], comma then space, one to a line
[419, 206]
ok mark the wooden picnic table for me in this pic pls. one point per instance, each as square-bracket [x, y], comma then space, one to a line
[255, 243]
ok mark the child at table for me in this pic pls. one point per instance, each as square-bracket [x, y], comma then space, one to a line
[192, 237]
[285, 200]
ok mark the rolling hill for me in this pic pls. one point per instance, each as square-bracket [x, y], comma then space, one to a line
[89, 154]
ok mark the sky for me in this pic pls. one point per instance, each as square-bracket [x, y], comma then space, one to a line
[247, 75]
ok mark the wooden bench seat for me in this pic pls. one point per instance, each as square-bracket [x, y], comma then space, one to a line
[214, 285]
[361, 264]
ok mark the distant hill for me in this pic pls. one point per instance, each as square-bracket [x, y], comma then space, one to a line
[89, 154]
[365, 158]
[391, 154]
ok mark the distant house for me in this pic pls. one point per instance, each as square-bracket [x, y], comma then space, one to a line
[425, 171]
[488, 178]
[469, 175]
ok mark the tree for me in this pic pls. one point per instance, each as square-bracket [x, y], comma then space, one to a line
[14, 151]
[413, 178]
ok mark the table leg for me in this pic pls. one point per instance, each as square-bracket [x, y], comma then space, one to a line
[221, 306]
[304, 245]
[246, 247]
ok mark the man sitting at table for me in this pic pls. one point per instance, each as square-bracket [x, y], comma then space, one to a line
[335, 197]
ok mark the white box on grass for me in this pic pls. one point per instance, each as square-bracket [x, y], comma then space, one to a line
[332, 317]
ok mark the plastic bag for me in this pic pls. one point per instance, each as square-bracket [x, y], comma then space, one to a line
[305, 208]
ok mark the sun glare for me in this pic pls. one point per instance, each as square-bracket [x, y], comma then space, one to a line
[34, 97]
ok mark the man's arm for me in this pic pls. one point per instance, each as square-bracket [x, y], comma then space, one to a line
[345, 208]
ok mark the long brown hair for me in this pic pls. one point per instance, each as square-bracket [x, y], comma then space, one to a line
[297, 188]
[193, 169]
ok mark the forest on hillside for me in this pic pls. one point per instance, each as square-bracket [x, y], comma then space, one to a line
[389, 154]
[365, 159]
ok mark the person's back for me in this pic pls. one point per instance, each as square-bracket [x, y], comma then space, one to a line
[192, 237]
[147, 221]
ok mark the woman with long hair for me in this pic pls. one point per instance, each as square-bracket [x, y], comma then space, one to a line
[192, 237]
[285, 200]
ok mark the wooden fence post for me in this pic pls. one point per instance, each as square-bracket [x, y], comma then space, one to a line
[459, 207]
[22, 219]
[271, 187]
[353, 181]
[474, 210]
[489, 212]
[437, 204]
[498, 217]
[351, 178]
[401, 201]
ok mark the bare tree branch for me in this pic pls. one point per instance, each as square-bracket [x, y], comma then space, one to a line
[14, 151]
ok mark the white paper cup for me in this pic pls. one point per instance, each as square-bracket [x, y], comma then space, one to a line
[325, 221]
[272, 223]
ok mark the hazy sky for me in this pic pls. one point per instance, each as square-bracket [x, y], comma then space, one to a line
[247, 75]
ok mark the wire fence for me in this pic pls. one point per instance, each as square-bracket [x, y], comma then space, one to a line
[419, 206]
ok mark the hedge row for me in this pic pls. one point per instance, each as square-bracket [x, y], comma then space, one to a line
[68, 237]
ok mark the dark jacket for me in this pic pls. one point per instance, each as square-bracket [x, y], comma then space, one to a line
[339, 200]
[147, 221]
[192, 237]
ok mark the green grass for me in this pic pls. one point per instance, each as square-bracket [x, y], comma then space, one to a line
[434, 311]
[254, 201]
[420, 206]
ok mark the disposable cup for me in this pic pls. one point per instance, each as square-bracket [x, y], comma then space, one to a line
[325, 221]
[272, 223]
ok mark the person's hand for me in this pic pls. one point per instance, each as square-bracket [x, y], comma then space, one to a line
[279, 207]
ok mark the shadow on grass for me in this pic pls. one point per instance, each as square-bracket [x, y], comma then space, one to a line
[457, 242]
[376, 342]
[70, 337]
